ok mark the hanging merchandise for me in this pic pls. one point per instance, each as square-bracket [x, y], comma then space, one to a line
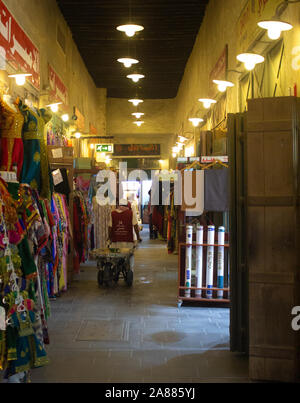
[11, 143]
[35, 170]
[21, 344]
[101, 219]
[216, 192]
[80, 230]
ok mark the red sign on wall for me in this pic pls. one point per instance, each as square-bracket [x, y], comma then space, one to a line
[58, 92]
[218, 72]
[16, 48]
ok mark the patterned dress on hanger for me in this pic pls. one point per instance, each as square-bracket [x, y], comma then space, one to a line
[36, 166]
[11, 143]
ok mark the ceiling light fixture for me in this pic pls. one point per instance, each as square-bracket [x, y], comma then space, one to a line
[135, 77]
[136, 102]
[207, 102]
[77, 135]
[130, 29]
[274, 27]
[223, 85]
[196, 121]
[250, 60]
[138, 115]
[127, 61]
[182, 139]
[20, 78]
[139, 123]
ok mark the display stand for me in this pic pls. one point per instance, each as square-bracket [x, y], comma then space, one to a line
[182, 288]
[63, 157]
[187, 291]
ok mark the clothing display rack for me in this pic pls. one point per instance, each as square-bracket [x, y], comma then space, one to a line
[62, 158]
[190, 261]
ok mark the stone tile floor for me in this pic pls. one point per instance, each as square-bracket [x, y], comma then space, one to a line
[163, 343]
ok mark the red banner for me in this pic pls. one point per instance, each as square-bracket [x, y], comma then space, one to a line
[58, 92]
[218, 72]
[16, 48]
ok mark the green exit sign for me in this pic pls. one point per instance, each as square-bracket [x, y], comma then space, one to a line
[105, 148]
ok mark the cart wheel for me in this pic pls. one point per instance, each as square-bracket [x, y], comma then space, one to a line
[100, 277]
[107, 275]
[129, 278]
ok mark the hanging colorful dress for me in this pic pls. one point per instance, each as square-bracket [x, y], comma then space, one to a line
[11, 143]
[35, 170]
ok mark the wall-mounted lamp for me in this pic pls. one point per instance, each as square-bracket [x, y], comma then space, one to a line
[20, 78]
[54, 107]
[65, 117]
[77, 135]
[127, 61]
[207, 102]
[250, 60]
[223, 85]
[274, 27]
[196, 121]
[182, 139]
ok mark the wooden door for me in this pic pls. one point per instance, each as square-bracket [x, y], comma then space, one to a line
[239, 340]
[272, 180]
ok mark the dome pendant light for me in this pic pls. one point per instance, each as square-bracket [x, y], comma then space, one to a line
[135, 77]
[250, 60]
[135, 101]
[139, 123]
[128, 61]
[223, 85]
[20, 78]
[274, 27]
[130, 29]
[138, 115]
[196, 121]
[207, 102]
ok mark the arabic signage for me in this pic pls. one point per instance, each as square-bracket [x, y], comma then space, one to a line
[218, 72]
[253, 12]
[16, 48]
[137, 150]
[58, 92]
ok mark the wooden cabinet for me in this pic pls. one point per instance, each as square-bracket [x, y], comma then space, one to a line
[273, 242]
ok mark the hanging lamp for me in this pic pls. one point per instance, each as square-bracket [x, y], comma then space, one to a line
[196, 121]
[139, 123]
[130, 29]
[274, 27]
[138, 115]
[207, 102]
[135, 101]
[223, 85]
[250, 60]
[20, 78]
[135, 77]
[127, 61]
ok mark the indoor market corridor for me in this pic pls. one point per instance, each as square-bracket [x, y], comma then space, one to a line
[138, 334]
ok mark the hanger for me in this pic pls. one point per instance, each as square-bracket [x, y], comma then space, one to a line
[193, 165]
[217, 162]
